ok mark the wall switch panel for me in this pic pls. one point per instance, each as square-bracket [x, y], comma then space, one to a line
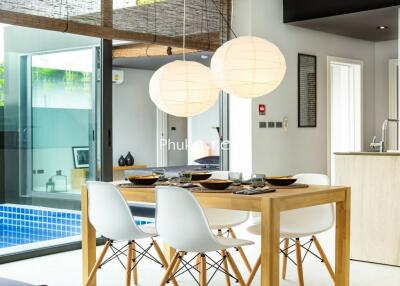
[263, 124]
[285, 123]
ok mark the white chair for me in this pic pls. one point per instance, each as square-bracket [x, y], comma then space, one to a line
[182, 224]
[110, 215]
[223, 221]
[299, 223]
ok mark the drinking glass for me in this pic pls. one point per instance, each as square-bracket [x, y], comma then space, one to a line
[258, 180]
[236, 178]
[185, 177]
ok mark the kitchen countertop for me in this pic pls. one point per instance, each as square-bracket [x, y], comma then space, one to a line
[393, 153]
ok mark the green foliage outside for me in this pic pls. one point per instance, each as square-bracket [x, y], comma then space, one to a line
[51, 78]
[1, 85]
[71, 80]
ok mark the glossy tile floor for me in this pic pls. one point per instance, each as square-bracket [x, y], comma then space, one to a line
[65, 270]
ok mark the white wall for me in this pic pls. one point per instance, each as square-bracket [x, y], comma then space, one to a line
[134, 118]
[276, 152]
[384, 51]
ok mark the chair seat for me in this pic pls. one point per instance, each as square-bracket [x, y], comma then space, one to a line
[231, 242]
[149, 229]
[285, 232]
[224, 225]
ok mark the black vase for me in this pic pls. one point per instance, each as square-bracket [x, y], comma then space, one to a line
[121, 161]
[129, 159]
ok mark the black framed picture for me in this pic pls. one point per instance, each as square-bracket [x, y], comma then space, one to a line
[81, 157]
[307, 90]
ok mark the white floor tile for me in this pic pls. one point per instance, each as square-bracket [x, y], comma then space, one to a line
[64, 269]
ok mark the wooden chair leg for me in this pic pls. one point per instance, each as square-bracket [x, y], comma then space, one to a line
[284, 260]
[324, 257]
[235, 269]
[241, 252]
[162, 258]
[226, 268]
[203, 270]
[170, 269]
[225, 263]
[98, 262]
[197, 263]
[254, 271]
[299, 263]
[129, 263]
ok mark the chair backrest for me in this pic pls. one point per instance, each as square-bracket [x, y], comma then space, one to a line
[110, 214]
[180, 220]
[312, 219]
[223, 217]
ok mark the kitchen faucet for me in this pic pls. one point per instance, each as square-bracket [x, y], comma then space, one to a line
[383, 145]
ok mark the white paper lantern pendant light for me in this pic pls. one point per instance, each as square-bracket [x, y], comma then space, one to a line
[248, 66]
[183, 88]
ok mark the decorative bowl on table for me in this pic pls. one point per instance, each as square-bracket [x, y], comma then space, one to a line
[216, 184]
[200, 176]
[143, 180]
[281, 181]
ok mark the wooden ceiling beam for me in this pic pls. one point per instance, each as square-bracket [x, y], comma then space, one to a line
[148, 50]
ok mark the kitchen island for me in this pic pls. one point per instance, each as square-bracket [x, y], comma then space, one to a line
[375, 220]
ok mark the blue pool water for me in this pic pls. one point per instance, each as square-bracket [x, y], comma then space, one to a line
[20, 224]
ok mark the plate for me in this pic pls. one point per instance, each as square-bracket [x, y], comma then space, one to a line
[143, 180]
[281, 181]
[216, 184]
[200, 176]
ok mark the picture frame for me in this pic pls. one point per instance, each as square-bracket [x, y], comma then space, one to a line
[307, 91]
[81, 157]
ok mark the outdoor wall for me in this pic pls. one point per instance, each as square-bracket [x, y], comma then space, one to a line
[276, 152]
[134, 118]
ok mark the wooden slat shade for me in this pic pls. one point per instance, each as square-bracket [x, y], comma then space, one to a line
[157, 23]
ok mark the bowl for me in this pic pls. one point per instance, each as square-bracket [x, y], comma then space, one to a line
[143, 180]
[200, 176]
[281, 181]
[216, 184]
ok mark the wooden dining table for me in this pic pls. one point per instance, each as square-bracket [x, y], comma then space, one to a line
[270, 205]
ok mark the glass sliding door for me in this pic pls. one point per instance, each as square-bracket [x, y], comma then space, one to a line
[62, 88]
[50, 91]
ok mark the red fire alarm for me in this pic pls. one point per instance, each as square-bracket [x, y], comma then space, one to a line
[261, 109]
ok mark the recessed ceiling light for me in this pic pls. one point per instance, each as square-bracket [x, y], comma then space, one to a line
[382, 27]
[204, 57]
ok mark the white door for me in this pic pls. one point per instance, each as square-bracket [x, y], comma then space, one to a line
[345, 108]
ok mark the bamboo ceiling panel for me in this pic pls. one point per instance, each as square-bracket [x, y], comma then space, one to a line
[158, 21]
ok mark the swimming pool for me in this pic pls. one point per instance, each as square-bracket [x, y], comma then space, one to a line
[21, 225]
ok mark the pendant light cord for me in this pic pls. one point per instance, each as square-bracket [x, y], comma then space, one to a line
[184, 30]
[224, 18]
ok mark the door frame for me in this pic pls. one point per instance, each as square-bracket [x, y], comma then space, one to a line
[393, 82]
[329, 60]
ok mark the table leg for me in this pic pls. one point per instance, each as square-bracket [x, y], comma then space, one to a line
[88, 240]
[270, 234]
[342, 255]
